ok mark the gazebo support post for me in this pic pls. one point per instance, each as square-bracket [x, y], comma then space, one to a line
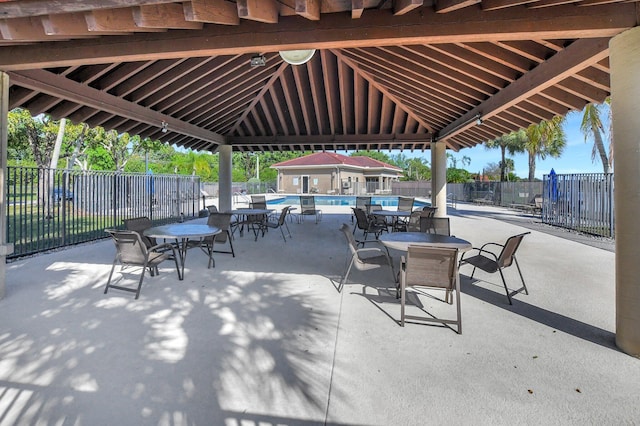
[625, 92]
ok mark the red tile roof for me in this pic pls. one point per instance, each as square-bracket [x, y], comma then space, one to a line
[332, 158]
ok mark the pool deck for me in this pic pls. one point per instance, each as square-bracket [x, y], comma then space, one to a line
[266, 339]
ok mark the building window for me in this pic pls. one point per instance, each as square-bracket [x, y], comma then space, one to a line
[295, 181]
[315, 181]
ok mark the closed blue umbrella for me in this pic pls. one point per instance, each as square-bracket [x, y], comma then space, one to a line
[553, 185]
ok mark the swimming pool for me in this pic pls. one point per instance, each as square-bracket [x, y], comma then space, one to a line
[342, 200]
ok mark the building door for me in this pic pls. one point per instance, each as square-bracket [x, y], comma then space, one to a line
[305, 184]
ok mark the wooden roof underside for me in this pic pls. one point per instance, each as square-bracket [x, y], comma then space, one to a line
[386, 74]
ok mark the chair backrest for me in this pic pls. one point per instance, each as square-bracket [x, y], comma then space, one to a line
[361, 218]
[353, 245]
[429, 211]
[283, 215]
[431, 266]
[307, 204]
[509, 250]
[362, 202]
[438, 225]
[405, 204]
[374, 207]
[222, 221]
[212, 208]
[414, 222]
[258, 199]
[259, 205]
[129, 245]
[139, 225]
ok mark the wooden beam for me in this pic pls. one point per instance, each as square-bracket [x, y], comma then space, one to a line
[400, 7]
[266, 11]
[329, 139]
[114, 20]
[212, 11]
[163, 16]
[309, 9]
[56, 85]
[501, 4]
[374, 83]
[357, 7]
[23, 9]
[447, 6]
[70, 24]
[26, 29]
[577, 56]
[375, 28]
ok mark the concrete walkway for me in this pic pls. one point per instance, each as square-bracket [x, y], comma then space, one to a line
[265, 339]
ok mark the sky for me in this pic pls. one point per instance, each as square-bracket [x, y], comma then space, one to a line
[576, 157]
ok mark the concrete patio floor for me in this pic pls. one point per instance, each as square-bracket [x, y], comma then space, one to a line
[265, 339]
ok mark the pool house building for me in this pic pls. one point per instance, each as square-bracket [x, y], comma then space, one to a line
[332, 173]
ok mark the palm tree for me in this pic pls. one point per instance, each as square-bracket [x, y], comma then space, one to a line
[544, 139]
[513, 143]
[591, 125]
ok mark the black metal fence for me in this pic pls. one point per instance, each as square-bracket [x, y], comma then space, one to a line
[504, 194]
[583, 202]
[51, 208]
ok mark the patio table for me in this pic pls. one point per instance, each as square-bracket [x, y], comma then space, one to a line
[246, 216]
[394, 215]
[402, 240]
[182, 233]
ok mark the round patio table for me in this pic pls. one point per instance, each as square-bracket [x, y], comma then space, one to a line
[182, 233]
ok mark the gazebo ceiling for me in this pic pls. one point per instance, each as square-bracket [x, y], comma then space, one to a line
[387, 74]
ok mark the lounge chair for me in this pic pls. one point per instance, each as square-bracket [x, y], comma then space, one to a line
[491, 262]
[430, 268]
[364, 259]
[132, 251]
[308, 207]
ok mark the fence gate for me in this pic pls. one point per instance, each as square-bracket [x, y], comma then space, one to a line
[583, 202]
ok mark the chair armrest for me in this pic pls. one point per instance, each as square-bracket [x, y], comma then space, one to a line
[163, 246]
[370, 249]
[482, 250]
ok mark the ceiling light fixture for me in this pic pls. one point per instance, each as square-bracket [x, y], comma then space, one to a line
[479, 121]
[297, 57]
[258, 61]
[165, 127]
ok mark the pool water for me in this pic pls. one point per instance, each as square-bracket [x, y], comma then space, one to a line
[343, 200]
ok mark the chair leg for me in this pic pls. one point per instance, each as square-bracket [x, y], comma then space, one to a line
[458, 307]
[282, 232]
[524, 286]
[506, 289]
[113, 267]
[346, 274]
[288, 231]
[403, 299]
[144, 269]
[175, 259]
[212, 262]
[233, 253]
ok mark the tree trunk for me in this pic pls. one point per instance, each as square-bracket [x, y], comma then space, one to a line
[599, 144]
[532, 167]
